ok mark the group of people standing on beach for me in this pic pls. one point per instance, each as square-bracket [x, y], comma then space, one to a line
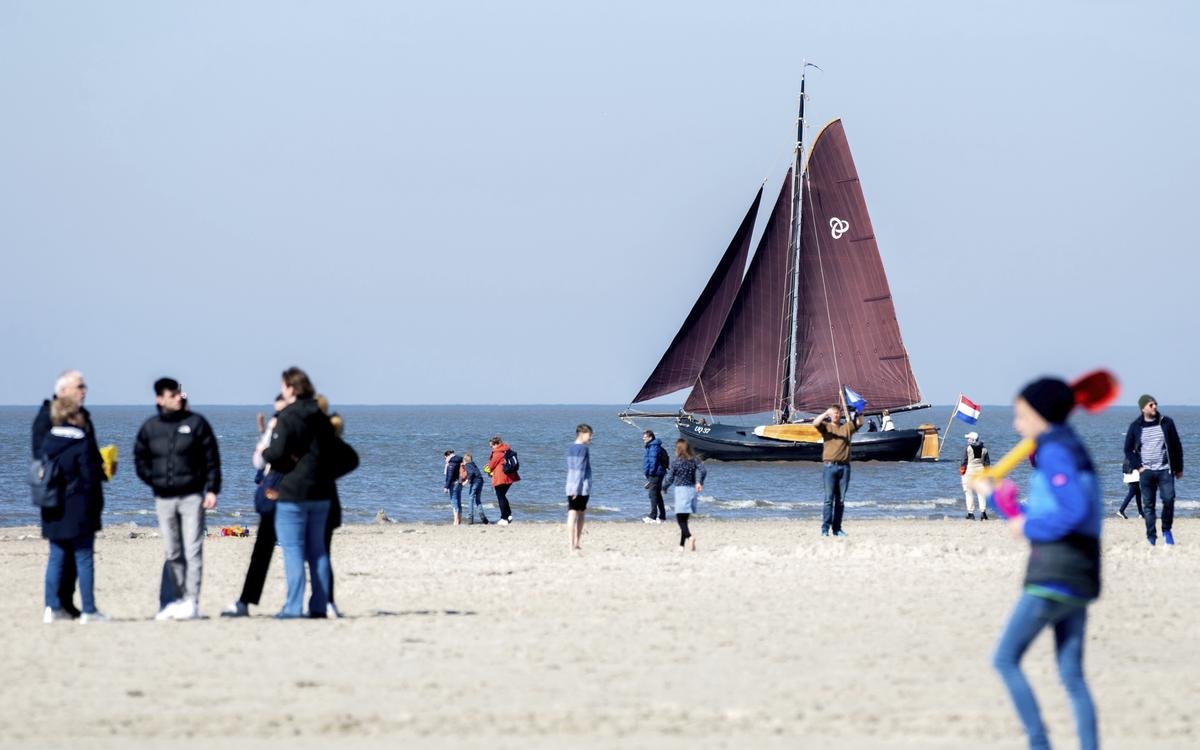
[299, 457]
[460, 472]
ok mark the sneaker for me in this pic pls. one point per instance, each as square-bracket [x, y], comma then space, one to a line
[168, 612]
[983, 516]
[1151, 540]
[186, 609]
[824, 532]
[237, 609]
[55, 615]
[484, 520]
[658, 520]
[839, 532]
[970, 516]
[87, 617]
[331, 612]
[1168, 539]
[648, 519]
[502, 522]
[1121, 513]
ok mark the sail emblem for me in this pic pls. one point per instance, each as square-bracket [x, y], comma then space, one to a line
[838, 227]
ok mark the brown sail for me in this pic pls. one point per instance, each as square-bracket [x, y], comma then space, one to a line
[744, 370]
[846, 328]
[685, 357]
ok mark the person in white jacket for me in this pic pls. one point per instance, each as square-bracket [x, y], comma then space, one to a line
[975, 458]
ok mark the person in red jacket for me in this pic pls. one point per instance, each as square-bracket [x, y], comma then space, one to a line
[501, 479]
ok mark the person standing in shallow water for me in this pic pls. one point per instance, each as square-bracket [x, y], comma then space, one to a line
[579, 483]
[835, 454]
[686, 476]
[1062, 521]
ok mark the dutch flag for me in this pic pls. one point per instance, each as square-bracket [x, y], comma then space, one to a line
[967, 410]
[853, 400]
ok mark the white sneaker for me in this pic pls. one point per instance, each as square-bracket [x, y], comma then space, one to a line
[54, 615]
[331, 612]
[168, 612]
[658, 520]
[647, 519]
[87, 617]
[237, 609]
[502, 522]
[186, 609]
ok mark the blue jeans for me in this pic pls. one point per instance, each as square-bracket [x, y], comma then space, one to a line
[456, 496]
[837, 481]
[1031, 614]
[1159, 482]
[80, 549]
[300, 527]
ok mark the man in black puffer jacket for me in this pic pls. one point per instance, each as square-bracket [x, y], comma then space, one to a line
[176, 454]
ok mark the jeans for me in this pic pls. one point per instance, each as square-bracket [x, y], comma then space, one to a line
[1069, 621]
[837, 481]
[456, 496]
[1134, 491]
[300, 527]
[260, 559]
[79, 550]
[1158, 482]
[657, 509]
[181, 522]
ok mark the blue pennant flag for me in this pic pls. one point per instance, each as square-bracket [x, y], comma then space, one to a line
[853, 400]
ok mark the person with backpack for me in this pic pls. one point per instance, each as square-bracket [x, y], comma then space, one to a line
[503, 466]
[452, 484]
[654, 466]
[70, 524]
[176, 454]
[472, 478]
[975, 459]
[310, 457]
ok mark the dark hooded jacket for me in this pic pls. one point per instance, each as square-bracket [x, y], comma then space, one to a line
[302, 432]
[83, 499]
[176, 454]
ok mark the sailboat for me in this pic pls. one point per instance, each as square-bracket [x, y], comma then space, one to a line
[812, 314]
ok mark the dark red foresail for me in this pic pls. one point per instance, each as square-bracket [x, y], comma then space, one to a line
[744, 370]
[846, 328]
[685, 357]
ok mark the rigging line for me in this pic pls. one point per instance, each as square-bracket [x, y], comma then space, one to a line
[837, 371]
[704, 395]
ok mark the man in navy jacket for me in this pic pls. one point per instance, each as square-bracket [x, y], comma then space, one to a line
[1152, 447]
[654, 465]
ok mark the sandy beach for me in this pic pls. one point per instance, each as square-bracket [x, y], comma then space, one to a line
[480, 636]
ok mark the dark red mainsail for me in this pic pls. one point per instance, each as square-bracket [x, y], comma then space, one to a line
[846, 328]
[685, 357]
[745, 368]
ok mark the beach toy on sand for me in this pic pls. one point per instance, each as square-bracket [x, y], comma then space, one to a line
[235, 531]
[108, 456]
[1094, 391]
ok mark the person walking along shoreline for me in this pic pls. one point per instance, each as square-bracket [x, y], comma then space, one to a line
[686, 476]
[654, 467]
[503, 467]
[579, 483]
[1152, 447]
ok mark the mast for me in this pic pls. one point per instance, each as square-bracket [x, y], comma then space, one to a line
[787, 401]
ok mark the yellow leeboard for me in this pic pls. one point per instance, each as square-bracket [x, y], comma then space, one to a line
[796, 433]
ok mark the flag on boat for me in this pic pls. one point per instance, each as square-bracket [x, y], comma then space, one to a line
[854, 400]
[967, 410]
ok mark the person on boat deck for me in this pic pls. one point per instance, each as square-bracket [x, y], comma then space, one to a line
[1062, 521]
[975, 459]
[835, 454]
[888, 424]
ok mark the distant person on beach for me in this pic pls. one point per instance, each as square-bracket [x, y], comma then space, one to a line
[307, 451]
[503, 466]
[1152, 447]
[266, 483]
[654, 466]
[835, 454]
[888, 424]
[1131, 478]
[975, 460]
[452, 486]
[71, 525]
[472, 478]
[579, 483]
[69, 384]
[686, 475]
[1062, 521]
[176, 454]
[334, 520]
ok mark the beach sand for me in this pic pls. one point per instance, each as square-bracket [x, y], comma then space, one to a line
[481, 636]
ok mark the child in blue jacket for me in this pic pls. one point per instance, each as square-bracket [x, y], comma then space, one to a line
[1062, 521]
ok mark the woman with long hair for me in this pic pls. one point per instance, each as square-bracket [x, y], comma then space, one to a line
[686, 475]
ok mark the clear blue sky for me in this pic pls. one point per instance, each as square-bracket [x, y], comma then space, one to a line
[518, 202]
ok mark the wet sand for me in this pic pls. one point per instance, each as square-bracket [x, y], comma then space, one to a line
[768, 636]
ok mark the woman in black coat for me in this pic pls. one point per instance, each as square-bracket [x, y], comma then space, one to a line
[71, 525]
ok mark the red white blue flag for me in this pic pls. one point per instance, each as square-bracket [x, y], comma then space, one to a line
[967, 410]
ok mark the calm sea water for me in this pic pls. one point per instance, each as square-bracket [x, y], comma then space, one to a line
[401, 472]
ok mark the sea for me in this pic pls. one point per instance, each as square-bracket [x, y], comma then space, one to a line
[401, 451]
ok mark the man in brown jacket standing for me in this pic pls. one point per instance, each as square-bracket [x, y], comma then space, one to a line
[835, 453]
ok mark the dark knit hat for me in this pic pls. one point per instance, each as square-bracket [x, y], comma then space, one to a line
[1050, 397]
[1144, 399]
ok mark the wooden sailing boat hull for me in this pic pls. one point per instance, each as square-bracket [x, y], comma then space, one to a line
[722, 442]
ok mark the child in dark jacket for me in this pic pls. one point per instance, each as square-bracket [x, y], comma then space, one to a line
[472, 478]
[71, 526]
[1062, 522]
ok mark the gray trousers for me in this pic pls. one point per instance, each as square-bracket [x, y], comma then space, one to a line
[181, 522]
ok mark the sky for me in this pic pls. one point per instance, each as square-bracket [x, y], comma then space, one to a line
[463, 202]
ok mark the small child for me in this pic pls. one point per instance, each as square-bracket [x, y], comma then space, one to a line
[1062, 522]
[579, 483]
[472, 478]
[452, 486]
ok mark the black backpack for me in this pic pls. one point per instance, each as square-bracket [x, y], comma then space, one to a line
[511, 464]
[46, 483]
[664, 461]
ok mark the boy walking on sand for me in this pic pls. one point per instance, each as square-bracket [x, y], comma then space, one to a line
[579, 483]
